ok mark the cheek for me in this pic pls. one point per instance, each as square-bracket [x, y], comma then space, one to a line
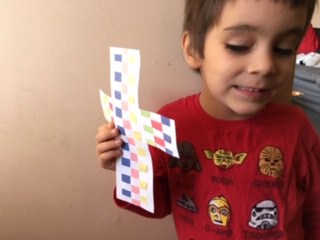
[220, 73]
[219, 62]
[286, 68]
[284, 82]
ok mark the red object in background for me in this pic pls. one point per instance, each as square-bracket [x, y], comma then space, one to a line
[310, 41]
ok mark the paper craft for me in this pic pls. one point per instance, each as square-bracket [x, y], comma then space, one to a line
[138, 128]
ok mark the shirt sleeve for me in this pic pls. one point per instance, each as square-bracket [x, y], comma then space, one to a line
[311, 211]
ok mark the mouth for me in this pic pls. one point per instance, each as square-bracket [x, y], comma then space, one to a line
[218, 222]
[250, 89]
[252, 92]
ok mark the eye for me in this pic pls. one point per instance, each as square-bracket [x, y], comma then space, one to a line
[224, 212]
[213, 210]
[267, 160]
[237, 48]
[284, 52]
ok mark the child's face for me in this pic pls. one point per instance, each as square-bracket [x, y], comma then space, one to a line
[249, 56]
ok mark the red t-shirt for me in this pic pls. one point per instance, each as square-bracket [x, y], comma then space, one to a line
[251, 179]
[310, 41]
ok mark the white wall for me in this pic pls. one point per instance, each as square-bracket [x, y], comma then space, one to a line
[316, 17]
[53, 59]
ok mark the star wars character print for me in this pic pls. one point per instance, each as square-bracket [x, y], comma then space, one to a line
[263, 215]
[225, 159]
[188, 159]
[271, 161]
[219, 211]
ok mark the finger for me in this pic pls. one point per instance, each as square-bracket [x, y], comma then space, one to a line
[106, 134]
[103, 127]
[108, 125]
[109, 145]
[108, 159]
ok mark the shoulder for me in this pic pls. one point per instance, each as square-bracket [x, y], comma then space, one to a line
[180, 107]
[291, 119]
[288, 113]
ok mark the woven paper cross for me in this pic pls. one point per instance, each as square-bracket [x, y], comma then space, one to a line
[138, 128]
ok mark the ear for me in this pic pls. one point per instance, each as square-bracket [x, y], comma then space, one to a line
[190, 54]
[209, 154]
[240, 158]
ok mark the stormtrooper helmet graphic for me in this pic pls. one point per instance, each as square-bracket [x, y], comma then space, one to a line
[264, 215]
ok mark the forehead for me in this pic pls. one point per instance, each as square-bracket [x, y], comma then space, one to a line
[268, 14]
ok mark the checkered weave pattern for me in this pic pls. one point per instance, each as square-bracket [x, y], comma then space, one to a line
[138, 129]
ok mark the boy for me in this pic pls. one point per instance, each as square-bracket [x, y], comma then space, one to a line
[248, 168]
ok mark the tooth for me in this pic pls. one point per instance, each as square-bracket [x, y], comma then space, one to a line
[249, 89]
[253, 90]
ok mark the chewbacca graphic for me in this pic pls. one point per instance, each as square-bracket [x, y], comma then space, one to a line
[271, 161]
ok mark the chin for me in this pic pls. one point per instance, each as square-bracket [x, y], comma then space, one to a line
[248, 111]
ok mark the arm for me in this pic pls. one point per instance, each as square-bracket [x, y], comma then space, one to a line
[311, 219]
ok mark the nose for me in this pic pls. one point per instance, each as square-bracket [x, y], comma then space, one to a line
[262, 62]
[216, 216]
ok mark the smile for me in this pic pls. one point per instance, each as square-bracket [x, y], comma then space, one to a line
[249, 89]
[252, 93]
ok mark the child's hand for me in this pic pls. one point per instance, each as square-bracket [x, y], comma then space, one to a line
[108, 145]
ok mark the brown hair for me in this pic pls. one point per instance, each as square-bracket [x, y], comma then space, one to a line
[201, 15]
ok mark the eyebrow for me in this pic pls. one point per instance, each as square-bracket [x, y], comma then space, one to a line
[243, 27]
